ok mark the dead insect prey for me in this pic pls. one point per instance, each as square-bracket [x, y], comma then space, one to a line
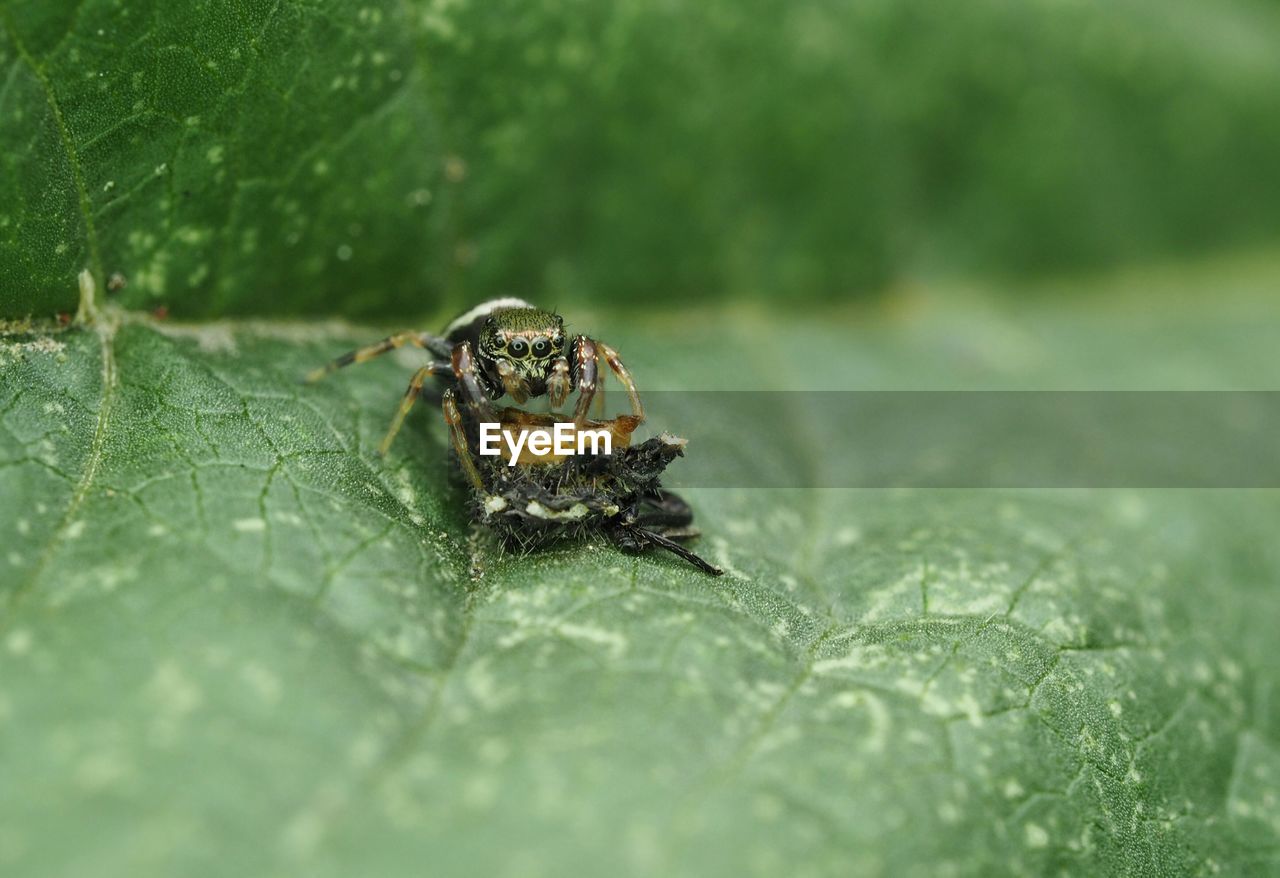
[507, 347]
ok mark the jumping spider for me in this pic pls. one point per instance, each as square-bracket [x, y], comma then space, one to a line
[503, 346]
[507, 347]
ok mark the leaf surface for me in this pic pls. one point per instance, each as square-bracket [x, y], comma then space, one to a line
[233, 640]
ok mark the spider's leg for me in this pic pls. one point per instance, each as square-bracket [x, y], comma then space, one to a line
[423, 340]
[615, 363]
[410, 397]
[458, 437]
[585, 370]
[602, 390]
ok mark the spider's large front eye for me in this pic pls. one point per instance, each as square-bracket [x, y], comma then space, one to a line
[518, 347]
[541, 348]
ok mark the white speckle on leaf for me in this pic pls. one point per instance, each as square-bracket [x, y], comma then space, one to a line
[364, 750]
[847, 536]
[482, 685]
[19, 641]
[480, 792]
[193, 235]
[1035, 835]
[173, 696]
[100, 771]
[615, 642]
[264, 683]
[249, 525]
[494, 751]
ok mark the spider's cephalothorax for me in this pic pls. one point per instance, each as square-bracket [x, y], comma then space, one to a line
[519, 349]
[501, 347]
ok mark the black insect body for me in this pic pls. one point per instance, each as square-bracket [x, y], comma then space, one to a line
[618, 495]
[507, 347]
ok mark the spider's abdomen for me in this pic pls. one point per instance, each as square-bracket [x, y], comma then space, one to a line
[467, 326]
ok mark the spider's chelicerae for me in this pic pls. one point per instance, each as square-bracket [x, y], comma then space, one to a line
[503, 346]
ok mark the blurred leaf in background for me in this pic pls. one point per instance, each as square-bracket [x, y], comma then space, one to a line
[222, 157]
[392, 157]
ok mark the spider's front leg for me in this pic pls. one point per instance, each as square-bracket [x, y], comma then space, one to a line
[476, 400]
[586, 353]
[584, 377]
[458, 436]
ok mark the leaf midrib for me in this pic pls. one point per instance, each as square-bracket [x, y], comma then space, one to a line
[68, 145]
[106, 332]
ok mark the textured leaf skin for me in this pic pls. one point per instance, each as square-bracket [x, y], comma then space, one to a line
[232, 641]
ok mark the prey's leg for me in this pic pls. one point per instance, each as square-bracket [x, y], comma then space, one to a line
[636, 539]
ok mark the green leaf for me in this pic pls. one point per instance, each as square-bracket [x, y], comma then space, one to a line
[216, 155]
[367, 158]
[235, 642]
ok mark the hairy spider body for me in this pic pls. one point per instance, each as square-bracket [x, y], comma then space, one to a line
[503, 347]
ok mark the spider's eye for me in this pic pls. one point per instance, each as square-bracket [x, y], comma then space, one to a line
[541, 347]
[518, 347]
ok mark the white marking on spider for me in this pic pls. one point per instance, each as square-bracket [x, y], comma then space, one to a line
[484, 309]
